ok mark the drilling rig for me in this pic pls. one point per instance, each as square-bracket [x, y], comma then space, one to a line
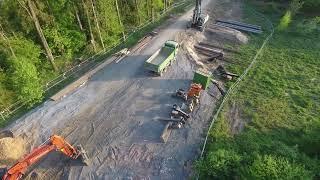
[198, 20]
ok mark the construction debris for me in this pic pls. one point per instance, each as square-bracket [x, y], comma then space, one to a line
[166, 132]
[216, 83]
[213, 55]
[239, 26]
[121, 54]
[141, 43]
[225, 34]
[224, 73]
[177, 112]
[214, 51]
[218, 47]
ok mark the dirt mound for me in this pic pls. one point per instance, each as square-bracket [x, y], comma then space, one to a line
[11, 149]
[227, 35]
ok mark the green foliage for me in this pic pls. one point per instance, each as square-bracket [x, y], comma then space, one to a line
[309, 26]
[271, 167]
[311, 5]
[64, 41]
[295, 6]
[26, 82]
[285, 21]
[280, 138]
[109, 21]
[24, 78]
[25, 48]
[221, 163]
[7, 96]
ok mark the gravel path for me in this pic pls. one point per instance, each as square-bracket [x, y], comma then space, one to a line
[113, 118]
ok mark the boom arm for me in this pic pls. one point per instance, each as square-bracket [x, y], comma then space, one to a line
[197, 12]
[54, 143]
[199, 20]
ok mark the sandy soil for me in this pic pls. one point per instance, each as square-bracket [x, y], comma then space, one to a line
[114, 115]
[11, 150]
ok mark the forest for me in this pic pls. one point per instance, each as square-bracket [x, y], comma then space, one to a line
[40, 39]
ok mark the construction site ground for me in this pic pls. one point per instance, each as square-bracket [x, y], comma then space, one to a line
[114, 115]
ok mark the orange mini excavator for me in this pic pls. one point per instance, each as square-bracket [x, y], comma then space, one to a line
[54, 143]
[192, 96]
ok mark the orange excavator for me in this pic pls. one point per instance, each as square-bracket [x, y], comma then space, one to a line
[54, 143]
[194, 91]
[192, 96]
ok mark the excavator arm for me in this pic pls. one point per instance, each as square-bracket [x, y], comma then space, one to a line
[56, 143]
[198, 20]
[197, 12]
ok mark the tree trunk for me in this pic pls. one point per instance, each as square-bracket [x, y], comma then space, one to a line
[90, 29]
[152, 10]
[119, 19]
[97, 23]
[138, 12]
[148, 9]
[78, 18]
[5, 39]
[41, 35]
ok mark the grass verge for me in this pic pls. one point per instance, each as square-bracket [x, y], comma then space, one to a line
[268, 129]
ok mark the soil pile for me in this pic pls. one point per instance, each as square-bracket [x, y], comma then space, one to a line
[227, 35]
[11, 149]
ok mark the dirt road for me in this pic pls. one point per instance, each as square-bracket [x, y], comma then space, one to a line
[114, 116]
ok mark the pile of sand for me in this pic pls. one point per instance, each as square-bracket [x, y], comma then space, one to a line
[11, 150]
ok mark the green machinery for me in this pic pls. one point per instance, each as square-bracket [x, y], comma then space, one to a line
[162, 58]
[202, 77]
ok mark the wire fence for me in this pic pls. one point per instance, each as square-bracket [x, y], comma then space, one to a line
[86, 65]
[233, 88]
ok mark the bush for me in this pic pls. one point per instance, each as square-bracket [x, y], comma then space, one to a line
[311, 6]
[26, 82]
[309, 26]
[221, 163]
[21, 71]
[271, 167]
[285, 21]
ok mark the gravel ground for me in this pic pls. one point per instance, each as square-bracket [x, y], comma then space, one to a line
[113, 117]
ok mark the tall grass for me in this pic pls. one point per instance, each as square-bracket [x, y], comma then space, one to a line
[279, 103]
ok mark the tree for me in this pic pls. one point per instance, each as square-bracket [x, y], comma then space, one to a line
[29, 7]
[26, 82]
[24, 77]
[92, 39]
[97, 23]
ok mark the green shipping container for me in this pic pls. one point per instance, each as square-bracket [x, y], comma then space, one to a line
[202, 78]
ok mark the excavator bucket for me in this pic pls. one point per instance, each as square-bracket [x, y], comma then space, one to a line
[83, 157]
[6, 133]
